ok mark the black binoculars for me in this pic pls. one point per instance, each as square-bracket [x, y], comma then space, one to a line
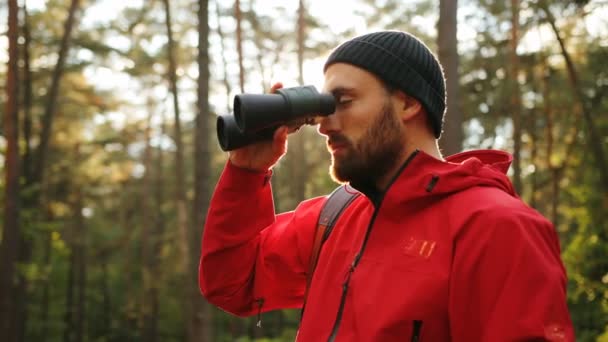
[256, 116]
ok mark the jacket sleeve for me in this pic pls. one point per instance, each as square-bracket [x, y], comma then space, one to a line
[508, 282]
[252, 260]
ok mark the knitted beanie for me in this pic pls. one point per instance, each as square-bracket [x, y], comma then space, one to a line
[402, 61]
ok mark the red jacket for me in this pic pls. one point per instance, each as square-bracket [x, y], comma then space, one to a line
[448, 252]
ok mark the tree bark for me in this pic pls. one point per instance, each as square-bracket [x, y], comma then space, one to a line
[51, 104]
[447, 42]
[81, 270]
[297, 151]
[516, 111]
[27, 95]
[185, 269]
[239, 43]
[201, 320]
[225, 81]
[9, 249]
[149, 317]
[68, 317]
[159, 224]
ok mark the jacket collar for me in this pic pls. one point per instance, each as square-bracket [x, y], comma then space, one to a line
[422, 175]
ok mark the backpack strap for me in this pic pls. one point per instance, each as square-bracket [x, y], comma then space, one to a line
[338, 200]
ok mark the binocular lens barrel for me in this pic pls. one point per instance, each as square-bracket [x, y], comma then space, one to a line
[256, 117]
[254, 112]
[230, 136]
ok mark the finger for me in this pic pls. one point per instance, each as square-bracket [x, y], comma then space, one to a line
[280, 140]
[276, 86]
[281, 133]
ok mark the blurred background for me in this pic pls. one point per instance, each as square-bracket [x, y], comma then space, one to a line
[109, 154]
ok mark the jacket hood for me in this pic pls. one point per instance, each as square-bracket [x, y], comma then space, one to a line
[425, 176]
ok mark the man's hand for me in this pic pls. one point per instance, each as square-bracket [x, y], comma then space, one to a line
[263, 155]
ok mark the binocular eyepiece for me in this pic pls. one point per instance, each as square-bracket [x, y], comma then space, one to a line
[256, 116]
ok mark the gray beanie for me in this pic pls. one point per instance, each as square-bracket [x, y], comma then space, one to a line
[402, 61]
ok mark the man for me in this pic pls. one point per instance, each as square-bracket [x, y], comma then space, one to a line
[435, 250]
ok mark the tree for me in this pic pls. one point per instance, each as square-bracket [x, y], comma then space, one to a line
[51, 105]
[447, 43]
[239, 43]
[594, 140]
[11, 232]
[186, 266]
[516, 111]
[201, 320]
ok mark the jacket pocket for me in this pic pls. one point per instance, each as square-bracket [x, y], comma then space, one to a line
[416, 329]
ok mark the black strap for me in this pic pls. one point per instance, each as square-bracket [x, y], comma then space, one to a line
[338, 200]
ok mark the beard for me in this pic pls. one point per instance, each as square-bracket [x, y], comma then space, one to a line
[374, 154]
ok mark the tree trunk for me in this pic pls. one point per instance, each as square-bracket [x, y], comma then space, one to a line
[35, 176]
[239, 43]
[9, 249]
[81, 270]
[201, 320]
[149, 317]
[298, 148]
[180, 197]
[51, 104]
[533, 158]
[224, 62]
[159, 224]
[516, 111]
[45, 300]
[447, 42]
[106, 313]
[68, 331]
[185, 269]
[594, 139]
[554, 174]
[27, 95]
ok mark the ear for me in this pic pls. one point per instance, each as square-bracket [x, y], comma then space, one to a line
[406, 106]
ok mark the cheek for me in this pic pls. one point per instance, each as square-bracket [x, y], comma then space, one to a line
[357, 121]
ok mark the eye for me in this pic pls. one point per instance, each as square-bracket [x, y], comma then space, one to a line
[344, 100]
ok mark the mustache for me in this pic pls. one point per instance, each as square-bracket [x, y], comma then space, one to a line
[338, 139]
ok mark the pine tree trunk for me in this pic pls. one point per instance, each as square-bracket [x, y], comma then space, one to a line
[201, 320]
[9, 249]
[149, 317]
[27, 95]
[225, 81]
[447, 42]
[239, 43]
[185, 269]
[68, 331]
[159, 224]
[548, 111]
[51, 104]
[81, 271]
[516, 110]
[297, 154]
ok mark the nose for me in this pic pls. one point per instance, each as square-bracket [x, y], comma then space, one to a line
[328, 124]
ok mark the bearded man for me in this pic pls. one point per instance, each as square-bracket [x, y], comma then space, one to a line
[434, 248]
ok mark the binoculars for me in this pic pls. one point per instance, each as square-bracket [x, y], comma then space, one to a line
[256, 117]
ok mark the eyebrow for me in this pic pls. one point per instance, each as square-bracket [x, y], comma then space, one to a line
[340, 90]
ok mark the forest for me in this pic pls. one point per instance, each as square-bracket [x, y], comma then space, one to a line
[109, 153]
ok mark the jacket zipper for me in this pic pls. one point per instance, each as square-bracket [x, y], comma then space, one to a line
[334, 330]
[416, 331]
[336, 327]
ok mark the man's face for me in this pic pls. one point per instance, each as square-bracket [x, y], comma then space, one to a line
[364, 135]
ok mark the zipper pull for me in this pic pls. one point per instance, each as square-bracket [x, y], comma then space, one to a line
[260, 302]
